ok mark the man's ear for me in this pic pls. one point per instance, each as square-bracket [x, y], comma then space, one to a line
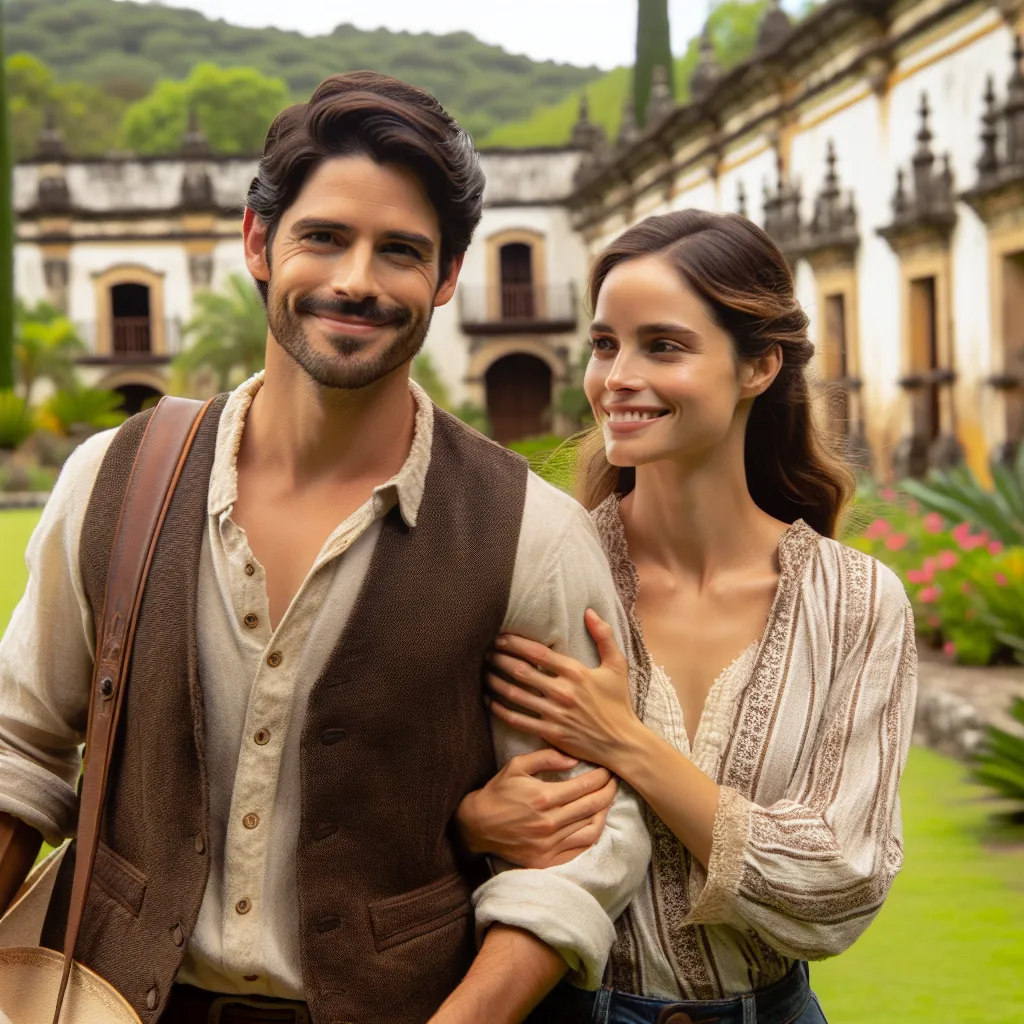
[254, 238]
[446, 287]
[757, 375]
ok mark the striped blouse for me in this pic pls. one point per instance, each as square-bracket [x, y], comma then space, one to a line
[807, 733]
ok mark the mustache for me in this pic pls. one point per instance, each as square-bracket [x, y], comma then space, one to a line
[366, 309]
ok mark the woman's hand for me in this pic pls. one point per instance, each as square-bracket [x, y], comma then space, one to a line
[585, 712]
[533, 823]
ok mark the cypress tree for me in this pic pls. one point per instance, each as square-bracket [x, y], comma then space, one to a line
[653, 47]
[6, 231]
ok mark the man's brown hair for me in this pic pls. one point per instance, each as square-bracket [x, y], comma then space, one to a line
[388, 120]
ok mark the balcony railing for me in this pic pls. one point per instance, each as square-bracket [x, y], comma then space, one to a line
[129, 340]
[517, 308]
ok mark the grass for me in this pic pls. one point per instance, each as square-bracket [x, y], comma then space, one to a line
[947, 948]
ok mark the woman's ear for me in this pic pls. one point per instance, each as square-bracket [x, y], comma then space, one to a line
[758, 374]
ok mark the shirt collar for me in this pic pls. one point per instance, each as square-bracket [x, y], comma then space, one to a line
[405, 488]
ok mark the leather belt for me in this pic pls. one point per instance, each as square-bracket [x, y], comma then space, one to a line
[189, 1005]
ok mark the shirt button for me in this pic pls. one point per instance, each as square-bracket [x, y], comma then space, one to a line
[177, 935]
[262, 736]
[251, 820]
[243, 906]
[151, 998]
[251, 977]
[274, 659]
[249, 569]
[251, 620]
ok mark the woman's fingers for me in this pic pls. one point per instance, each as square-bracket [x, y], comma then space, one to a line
[604, 638]
[536, 654]
[547, 759]
[524, 723]
[512, 694]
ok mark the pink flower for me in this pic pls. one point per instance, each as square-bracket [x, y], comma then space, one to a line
[928, 595]
[896, 541]
[917, 576]
[949, 649]
[933, 522]
[879, 528]
[995, 548]
[946, 559]
[888, 494]
[913, 507]
[961, 533]
[934, 621]
[1000, 578]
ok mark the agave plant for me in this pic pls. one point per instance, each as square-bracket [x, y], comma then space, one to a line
[1000, 762]
[959, 496]
[82, 410]
[15, 422]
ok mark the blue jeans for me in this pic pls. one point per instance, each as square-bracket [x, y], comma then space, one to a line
[789, 1001]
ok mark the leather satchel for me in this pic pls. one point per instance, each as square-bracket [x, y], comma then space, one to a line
[39, 985]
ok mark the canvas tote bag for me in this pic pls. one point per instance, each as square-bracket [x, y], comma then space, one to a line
[38, 985]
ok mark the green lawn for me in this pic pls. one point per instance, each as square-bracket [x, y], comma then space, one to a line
[948, 948]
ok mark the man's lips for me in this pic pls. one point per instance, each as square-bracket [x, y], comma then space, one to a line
[350, 324]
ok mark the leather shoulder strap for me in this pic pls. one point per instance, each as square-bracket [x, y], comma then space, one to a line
[158, 464]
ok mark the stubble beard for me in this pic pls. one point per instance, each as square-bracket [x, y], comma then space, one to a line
[346, 370]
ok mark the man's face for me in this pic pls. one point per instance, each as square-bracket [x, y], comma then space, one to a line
[353, 271]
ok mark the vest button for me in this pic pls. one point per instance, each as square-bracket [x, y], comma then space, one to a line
[274, 659]
[243, 906]
[252, 620]
[331, 736]
[199, 844]
[251, 820]
[325, 829]
[328, 924]
[151, 998]
[261, 736]
[177, 935]
[106, 686]
[250, 569]
[250, 977]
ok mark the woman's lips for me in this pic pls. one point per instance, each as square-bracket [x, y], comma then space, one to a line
[624, 427]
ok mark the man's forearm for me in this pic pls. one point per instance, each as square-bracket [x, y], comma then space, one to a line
[511, 974]
[19, 847]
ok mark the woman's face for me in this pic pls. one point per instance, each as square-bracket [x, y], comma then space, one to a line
[664, 380]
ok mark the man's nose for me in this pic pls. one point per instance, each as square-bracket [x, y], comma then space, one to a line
[352, 275]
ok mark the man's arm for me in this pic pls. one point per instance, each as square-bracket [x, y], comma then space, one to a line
[511, 974]
[561, 570]
[46, 657]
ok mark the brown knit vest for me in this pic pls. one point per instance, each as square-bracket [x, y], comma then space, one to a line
[395, 734]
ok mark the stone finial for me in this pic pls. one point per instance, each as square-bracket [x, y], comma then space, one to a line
[708, 71]
[627, 125]
[923, 158]
[585, 134]
[988, 162]
[1013, 111]
[899, 197]
[660, 103]
[834, 222]
[50, 142]
[194, 142]
[741, 200]
[774, 28]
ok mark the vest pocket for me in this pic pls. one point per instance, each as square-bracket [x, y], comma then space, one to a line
[398, 919]
[120, 880]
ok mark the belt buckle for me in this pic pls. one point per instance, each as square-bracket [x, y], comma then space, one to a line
[299, 1011]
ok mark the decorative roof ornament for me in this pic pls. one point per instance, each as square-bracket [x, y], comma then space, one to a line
[931, 207]
[585, 134]
[50, 141]
[194, 142]
[741, 200]
[1013, 111]
[774, 28]
[628, 130]
[782, 211]
[834, 221]
[708, 71]
[660, 103]
[988, 162]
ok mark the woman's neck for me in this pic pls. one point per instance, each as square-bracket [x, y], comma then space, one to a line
[697, 518]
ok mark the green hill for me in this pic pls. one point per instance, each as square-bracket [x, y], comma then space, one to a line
[125, 48]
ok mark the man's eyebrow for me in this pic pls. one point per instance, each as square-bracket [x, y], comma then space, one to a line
[323, 224]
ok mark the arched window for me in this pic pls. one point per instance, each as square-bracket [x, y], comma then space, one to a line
[516, 269]
[518, 397]
[130, 319]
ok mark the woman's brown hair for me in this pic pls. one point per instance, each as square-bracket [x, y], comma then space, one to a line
[793, 471]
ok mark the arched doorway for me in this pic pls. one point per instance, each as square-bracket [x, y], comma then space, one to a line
[130, 319]
[518, 397]
[516, 269]
[137, 397]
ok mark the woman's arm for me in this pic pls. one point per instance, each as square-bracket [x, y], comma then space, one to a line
[811, 870]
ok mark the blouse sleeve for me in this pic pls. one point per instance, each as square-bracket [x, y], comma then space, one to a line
[809, 872]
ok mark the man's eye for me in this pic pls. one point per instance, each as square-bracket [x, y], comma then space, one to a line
[662, 345]
[318, 237]
[401, 249]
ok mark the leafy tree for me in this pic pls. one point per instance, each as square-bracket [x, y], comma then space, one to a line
[228, 332]
[6, 233]
[45, 346]
[426, 374]
[653, 49]
[234, 107]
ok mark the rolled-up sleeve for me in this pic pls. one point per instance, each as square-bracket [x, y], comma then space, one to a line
[561, 570]
[810, 871]
[46, 659]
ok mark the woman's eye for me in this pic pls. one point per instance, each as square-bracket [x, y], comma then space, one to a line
[602, 344]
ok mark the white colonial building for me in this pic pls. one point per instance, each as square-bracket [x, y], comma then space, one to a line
[880, 142]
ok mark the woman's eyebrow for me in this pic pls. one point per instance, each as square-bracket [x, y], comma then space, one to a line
[664, 328]
[600, 327]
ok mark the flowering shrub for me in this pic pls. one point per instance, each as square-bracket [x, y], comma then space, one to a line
[967, 589]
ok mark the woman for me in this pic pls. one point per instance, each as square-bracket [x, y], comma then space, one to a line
[768, 714]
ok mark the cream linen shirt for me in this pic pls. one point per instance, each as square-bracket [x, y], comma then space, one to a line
[46, 659]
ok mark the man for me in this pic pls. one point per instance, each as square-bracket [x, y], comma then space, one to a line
[303, 713]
